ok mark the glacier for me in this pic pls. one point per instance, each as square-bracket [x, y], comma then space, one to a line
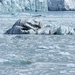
[69, 4]
[61, 5]
[36, 5]
[23, 5]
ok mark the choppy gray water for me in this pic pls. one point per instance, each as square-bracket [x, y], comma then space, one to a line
[37, 54]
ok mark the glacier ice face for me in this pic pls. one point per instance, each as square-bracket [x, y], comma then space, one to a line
[69, 4]
[56, 4]
[35, 5]
[61, 4]
[23, 5]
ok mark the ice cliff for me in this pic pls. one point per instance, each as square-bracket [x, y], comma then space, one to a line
[69, 4]
[23, 5]
[35, 5]
[61, 4]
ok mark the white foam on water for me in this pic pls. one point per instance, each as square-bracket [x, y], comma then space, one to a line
[71, 65]
[65, 53]
[63, 71]
[3, 60]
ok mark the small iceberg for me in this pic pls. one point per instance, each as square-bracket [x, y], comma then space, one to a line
[32, 26]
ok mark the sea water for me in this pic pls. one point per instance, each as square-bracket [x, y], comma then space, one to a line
[37, 54]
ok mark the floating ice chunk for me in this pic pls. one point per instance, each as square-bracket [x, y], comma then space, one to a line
[46, 31]
[31, 31]
[64, 30]
[63, 71]
[70, 65]
[40, 31]
[42, 47]
[65, 53]
[3, 60]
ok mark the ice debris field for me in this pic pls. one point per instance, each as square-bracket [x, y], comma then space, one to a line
[28, 54]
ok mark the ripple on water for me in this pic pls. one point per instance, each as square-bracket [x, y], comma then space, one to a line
[17, 62]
